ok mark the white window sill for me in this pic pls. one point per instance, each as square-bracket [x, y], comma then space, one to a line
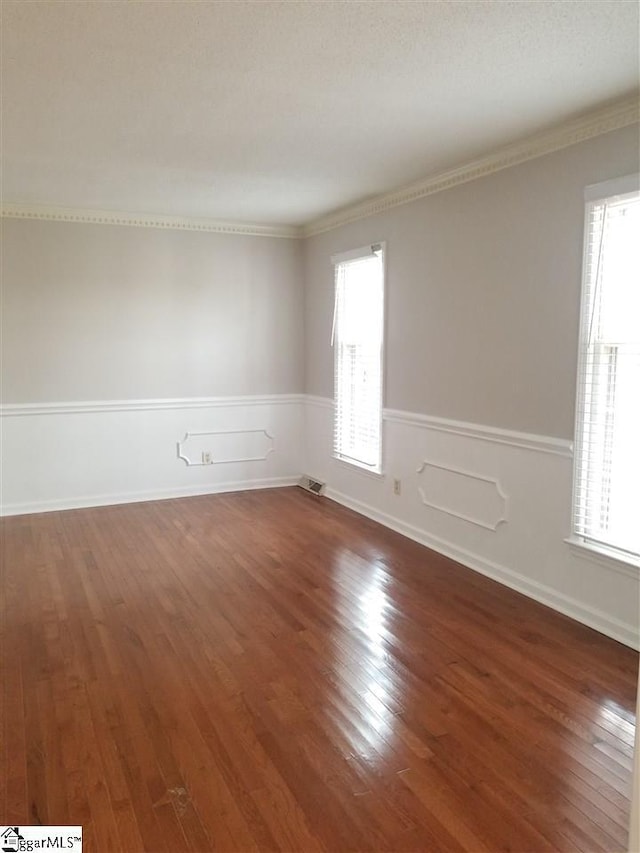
[608, 558]
[358, 469]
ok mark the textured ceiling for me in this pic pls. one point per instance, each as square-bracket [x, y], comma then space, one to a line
[280, 112]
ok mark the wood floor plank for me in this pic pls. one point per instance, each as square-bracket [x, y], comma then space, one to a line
[269, 671]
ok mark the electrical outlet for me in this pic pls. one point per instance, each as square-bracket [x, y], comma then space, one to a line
[397, 487]
[206, 457]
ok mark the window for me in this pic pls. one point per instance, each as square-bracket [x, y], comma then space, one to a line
[607, 460]
[357, 340]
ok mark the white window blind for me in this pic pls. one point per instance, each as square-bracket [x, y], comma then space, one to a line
[607, 462]
[357, 339]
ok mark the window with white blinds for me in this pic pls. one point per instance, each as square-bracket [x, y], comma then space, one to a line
[357, 340]
[606, 511]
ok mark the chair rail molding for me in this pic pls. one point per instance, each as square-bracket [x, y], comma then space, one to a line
[71, 407]
[482, 432]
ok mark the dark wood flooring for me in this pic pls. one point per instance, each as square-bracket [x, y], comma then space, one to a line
[269, 671]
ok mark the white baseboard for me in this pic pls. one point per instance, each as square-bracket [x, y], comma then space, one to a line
[600, 621]
[140, 497]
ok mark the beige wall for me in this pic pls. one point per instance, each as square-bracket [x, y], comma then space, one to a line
[483, 285]
[96, 312]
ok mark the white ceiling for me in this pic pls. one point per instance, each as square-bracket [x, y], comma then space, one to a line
[280, 112]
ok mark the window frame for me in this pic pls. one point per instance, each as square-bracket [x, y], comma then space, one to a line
[336, 259]
[604, 553]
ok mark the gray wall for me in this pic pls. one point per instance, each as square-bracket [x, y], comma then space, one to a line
[483, 288]
[96, 312]
[482, 302]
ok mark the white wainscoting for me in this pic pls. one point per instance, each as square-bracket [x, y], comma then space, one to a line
[74, 454]
[501, 507]
[504, 509]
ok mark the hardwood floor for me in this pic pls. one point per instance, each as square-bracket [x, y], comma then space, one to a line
[269, 671]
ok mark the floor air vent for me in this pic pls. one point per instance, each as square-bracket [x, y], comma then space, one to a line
[311, 485]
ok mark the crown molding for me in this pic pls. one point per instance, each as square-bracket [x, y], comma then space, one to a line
[145, 220]
[620, 114]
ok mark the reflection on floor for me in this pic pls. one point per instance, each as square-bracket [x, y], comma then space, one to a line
[267, 670]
